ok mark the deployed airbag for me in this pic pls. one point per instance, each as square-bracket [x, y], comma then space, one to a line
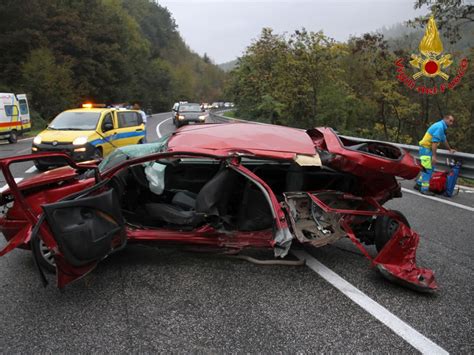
[155, 174]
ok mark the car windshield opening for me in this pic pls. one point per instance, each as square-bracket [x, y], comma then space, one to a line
[82, 121]
[190, 108]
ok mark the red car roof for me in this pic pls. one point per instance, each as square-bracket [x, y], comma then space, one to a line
[243, 137]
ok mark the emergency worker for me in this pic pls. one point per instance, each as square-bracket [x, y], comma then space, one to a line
[435, 135]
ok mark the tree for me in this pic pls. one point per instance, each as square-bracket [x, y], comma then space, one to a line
[451, 15]
[48, 84]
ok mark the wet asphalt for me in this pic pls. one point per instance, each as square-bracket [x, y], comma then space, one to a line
[148, 299]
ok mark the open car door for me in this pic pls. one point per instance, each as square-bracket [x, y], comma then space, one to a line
[84, 230]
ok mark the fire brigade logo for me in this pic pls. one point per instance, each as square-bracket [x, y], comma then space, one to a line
[430, 64]
[431, 47]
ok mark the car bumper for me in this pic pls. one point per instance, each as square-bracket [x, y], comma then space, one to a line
[77, 153]
[191, 120]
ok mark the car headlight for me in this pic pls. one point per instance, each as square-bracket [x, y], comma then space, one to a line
[181, 117]
[79, 141]
[37, 140]
[202, 117]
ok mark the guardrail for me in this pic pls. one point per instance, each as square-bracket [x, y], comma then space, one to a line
[467, 169]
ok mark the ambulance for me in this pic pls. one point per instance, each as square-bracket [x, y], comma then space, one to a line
[14, 116]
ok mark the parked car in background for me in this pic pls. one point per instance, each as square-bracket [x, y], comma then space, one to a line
[14, 116]
[222, 187]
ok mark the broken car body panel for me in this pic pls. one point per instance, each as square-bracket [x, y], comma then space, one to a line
[226, 187]
[322, 217]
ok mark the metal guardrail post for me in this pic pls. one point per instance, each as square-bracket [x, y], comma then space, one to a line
[467, 169]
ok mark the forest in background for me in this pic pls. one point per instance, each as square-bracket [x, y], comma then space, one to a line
[306, 79]
[64, 52]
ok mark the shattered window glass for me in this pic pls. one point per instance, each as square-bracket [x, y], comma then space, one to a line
[120, 155]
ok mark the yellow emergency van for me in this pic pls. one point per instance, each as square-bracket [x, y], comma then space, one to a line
[88, 133]
[14, 116]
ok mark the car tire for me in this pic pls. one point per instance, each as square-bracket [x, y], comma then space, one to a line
[385, 227]
[41, 167]
[45, 256]
[13, 137]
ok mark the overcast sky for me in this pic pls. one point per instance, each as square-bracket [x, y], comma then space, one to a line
[223, 29]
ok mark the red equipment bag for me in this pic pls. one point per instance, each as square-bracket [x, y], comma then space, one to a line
[438, 182]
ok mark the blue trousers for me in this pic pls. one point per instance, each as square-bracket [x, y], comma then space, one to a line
[426, 158]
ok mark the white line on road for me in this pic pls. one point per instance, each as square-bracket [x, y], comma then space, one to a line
[399, 327]
[158, 127]
[23, 151]
[465, 188]
[31, 170]
[6, 186]
[439, 200]
[25, 139]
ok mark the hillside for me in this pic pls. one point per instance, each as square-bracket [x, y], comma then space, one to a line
[403, 37]
[228, 66]
[62, 52]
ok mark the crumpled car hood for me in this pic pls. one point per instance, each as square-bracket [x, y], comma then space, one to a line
[243, 137]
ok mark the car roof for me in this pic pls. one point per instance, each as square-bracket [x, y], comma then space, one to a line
[243, 137]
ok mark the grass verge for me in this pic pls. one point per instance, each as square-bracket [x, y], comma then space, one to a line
[465, 182]
[230, 114]
[31, 133]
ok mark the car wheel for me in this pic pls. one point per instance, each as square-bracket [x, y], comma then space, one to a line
[385, 228]
[45, 256]
[13, 137]
[41, 167]
[97, 154]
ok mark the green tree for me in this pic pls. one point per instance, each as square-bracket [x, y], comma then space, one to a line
[450, 15]
[49, 84]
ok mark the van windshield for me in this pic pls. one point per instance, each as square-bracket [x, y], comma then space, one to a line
[75, 121]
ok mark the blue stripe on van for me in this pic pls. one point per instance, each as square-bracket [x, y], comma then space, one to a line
[117, 136]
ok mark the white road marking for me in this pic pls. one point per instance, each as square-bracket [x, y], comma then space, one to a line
[17, 180]
[398, 326]
[439, 200]
[465, 188]
[31, 170]
[158, 127]
[23, 151]
[26, 139]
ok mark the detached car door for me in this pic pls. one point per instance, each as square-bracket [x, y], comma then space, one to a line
[86, 230]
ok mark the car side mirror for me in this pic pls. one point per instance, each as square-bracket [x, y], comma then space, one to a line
[108, 126]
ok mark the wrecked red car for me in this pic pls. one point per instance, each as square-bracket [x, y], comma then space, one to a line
[225, 187]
